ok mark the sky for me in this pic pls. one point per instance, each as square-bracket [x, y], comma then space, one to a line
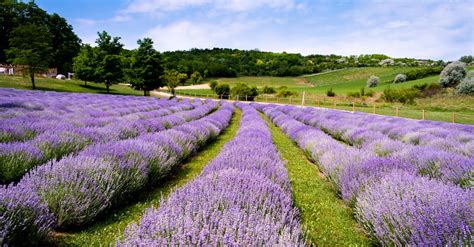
[398, 28]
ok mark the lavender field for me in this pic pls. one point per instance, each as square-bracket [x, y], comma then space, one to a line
[70, 160]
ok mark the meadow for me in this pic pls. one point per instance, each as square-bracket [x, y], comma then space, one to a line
[90, 169]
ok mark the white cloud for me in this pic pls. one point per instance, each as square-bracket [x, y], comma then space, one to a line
[151, 6]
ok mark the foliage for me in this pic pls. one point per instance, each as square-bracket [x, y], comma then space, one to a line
[109, 68]
[64, 42]
[283, 91]
[30, 46]
[330, 93]
[373, 81]
[195, 77]
[402, 95]
[466, 87]
[171, 77]
[146, 69]
[420, 73]
[268, 90]
[85, 63]
[243, 91]
[223, 90]
[427, 90]
[467, 59]
[213, 84]
[452, 74]
[400, 78]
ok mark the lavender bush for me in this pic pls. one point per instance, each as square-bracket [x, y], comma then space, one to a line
[242, 198]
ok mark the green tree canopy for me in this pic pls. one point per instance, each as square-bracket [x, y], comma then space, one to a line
[85, 64]
[30, 46]
[109, 68]
[145, 72]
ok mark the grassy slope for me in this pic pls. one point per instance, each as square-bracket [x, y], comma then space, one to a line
[110, 227]
[326, 219]
[63, 85]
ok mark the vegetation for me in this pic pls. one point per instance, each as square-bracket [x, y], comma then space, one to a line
[400, 78]
[466, 87]
[283, 91]
[467, 59]
[29, 49]
[243, 91]
[452, 74]
[330, 93]
[324, 216]
[223, 90]
[145, 72]
[268, 90]
[63, 42]
[423, 72]
[373, 81]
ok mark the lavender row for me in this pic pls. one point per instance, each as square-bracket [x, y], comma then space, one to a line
[361, 128]
[46, 112]
[432, 161]
[242, 198]
[396, 206]
[75, 190]
[17, 158]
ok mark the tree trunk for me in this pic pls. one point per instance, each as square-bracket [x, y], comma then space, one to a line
[85, 83]
[144, 92]
[32, 76]
[107, 86]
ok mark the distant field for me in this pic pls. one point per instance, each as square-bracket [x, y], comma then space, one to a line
[63, 85]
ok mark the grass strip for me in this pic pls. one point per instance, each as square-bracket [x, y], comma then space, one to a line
[111, 226]
[327, 221]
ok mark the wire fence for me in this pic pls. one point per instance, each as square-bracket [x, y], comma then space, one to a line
[353, 106]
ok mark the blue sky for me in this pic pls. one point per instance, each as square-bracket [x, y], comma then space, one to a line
[403, 28]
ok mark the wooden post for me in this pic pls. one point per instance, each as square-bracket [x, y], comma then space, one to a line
[266, 98]
[423, 114]
[319, 103]
[289, 100]
[334, 104]
[397, 112]
[374, 109]
[453, 117]
[302, 100]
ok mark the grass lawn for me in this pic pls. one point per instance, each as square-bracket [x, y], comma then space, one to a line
[325, 218]
[111, 226]
[51, 84]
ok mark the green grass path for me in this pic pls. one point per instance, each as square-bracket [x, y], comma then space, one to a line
[324, 216]
[111, 226]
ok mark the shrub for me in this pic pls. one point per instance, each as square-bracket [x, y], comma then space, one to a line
[222, 89]
[466, 87]
[402, 95]
[354, 94]
[268, 90]
[283, 91]
[427, 90]
[422, 73]
[213, 84]
[400, 78]
[373, 81]
[369, 93]
[243, 91]
[452, 74]
[330, 93]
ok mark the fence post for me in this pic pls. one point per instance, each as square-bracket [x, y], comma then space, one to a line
[319, 103]
[353, 107]
[453, 117]
[334, 104]
[374, 109]
[423, 114]
[245, 97]
[397, 112]
[289, 100]
[302, 100]
[266, 98]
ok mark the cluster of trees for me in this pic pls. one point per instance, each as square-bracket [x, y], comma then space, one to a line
[219, 62]
[58, 44]
[109, 63]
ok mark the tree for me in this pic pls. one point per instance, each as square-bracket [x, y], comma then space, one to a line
[195, 77]
[109, 64]
[146, 71]
[171, 77]
[373, 81]
[213, 84]
[452, 74]
[466, 87]
[467, 59]
[85, 64]
[243, 91]
[223, 90]
[30, 46]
